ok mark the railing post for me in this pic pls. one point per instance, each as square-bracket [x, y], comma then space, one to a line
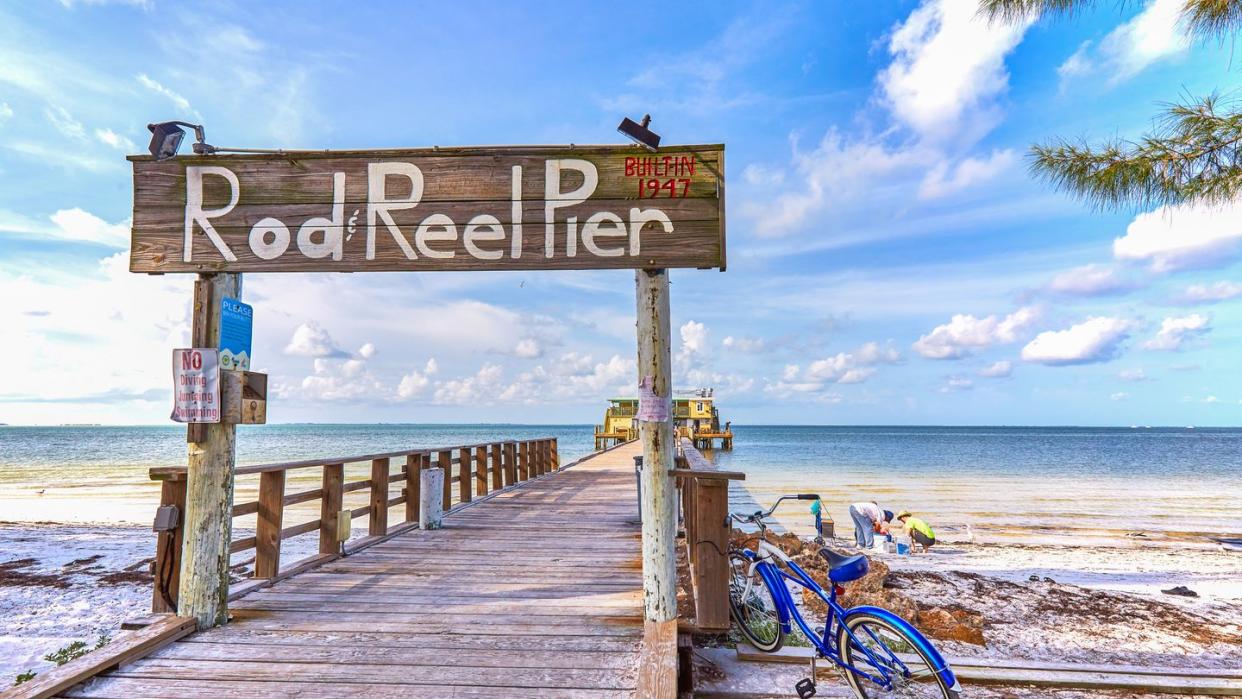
[480, 469]
[446, 464]
[167, 569]
[465, 456]
[330, 507]
[510, 463]
[523, 460]
[710, 569]
[542, 459]
[430, 514]
[378, 523]
[498, 477]
[413, 464]
[271, 520]
[556, 456]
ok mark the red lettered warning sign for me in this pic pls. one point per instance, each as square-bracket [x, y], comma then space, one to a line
[196, 385]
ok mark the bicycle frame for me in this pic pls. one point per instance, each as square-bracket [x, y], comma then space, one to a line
[775, 576]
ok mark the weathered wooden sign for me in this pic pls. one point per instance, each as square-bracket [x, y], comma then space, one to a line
[499, 208]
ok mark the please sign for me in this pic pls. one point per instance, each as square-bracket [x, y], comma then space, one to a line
[501, 208]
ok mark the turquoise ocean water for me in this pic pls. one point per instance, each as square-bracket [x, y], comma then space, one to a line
[1044, 482]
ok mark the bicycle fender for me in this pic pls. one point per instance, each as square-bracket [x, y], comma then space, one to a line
[942, 666]
[776, 584]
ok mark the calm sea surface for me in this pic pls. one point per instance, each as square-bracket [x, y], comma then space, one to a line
[1042, 482]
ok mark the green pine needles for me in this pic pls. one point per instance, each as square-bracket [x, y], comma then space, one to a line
[1193, 156]
[1190, 157]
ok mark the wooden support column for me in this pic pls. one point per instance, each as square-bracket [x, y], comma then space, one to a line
[465, 474]
[445, 462]
[211, 458]
[523, 461]
[330, 507]
[168, 545]
[480, 470]
[271, 520]
[510, 463]
[709, 567]
[498, 474]
[556, 457]
[413, 464]
[659, 505]
[378, 522]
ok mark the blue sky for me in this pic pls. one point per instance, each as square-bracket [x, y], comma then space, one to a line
[890, 259]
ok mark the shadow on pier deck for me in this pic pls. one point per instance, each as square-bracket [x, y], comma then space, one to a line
[535, 591]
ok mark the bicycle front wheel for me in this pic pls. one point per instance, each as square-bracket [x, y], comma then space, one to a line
[882, 650]
[753, 607]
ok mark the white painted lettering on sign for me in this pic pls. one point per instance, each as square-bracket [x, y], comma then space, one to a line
[196, 385]
[436, 235]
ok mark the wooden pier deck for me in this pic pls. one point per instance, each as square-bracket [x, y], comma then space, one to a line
[535, 591]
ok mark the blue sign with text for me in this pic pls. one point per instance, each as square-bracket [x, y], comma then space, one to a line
[236, 329]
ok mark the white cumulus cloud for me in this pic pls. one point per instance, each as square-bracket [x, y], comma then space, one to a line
[752, 345]
[311, 340]
[76, 224]
[528, 348]
[1179, 237]
[948, 67]
[1096, 339]
[1174, 332]
[413, 384]
[851, 367]
[964, 333]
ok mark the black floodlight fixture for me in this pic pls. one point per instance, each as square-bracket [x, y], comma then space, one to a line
[639, 133]
[166, 139]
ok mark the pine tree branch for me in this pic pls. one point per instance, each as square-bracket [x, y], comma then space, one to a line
[1203, 19]
[1193, 156]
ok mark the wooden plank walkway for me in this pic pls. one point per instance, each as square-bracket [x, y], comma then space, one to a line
[533, 592]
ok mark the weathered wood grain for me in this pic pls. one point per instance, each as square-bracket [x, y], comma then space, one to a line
[530, 591]
[508, 192]
[125, 649]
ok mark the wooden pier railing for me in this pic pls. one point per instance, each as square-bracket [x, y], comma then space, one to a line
[705, 515]
[470, 471]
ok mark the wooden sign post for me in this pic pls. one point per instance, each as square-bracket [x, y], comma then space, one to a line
[208, 517]
[501, 208]
[655, 429]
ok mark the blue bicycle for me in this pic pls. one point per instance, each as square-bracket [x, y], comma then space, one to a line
[881, 654]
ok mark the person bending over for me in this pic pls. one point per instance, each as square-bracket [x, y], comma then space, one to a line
[917, 530]
[869, 520]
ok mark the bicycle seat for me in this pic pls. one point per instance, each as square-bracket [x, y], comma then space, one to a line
[842, 568]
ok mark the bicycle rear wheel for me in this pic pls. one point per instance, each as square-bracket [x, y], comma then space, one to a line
[753, 607]
[892, 653]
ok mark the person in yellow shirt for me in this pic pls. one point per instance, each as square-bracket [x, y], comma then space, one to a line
[918, 530]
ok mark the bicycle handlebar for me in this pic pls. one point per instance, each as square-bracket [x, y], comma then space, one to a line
[760, 514]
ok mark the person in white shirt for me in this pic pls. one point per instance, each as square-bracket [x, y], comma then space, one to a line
[869, 519]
